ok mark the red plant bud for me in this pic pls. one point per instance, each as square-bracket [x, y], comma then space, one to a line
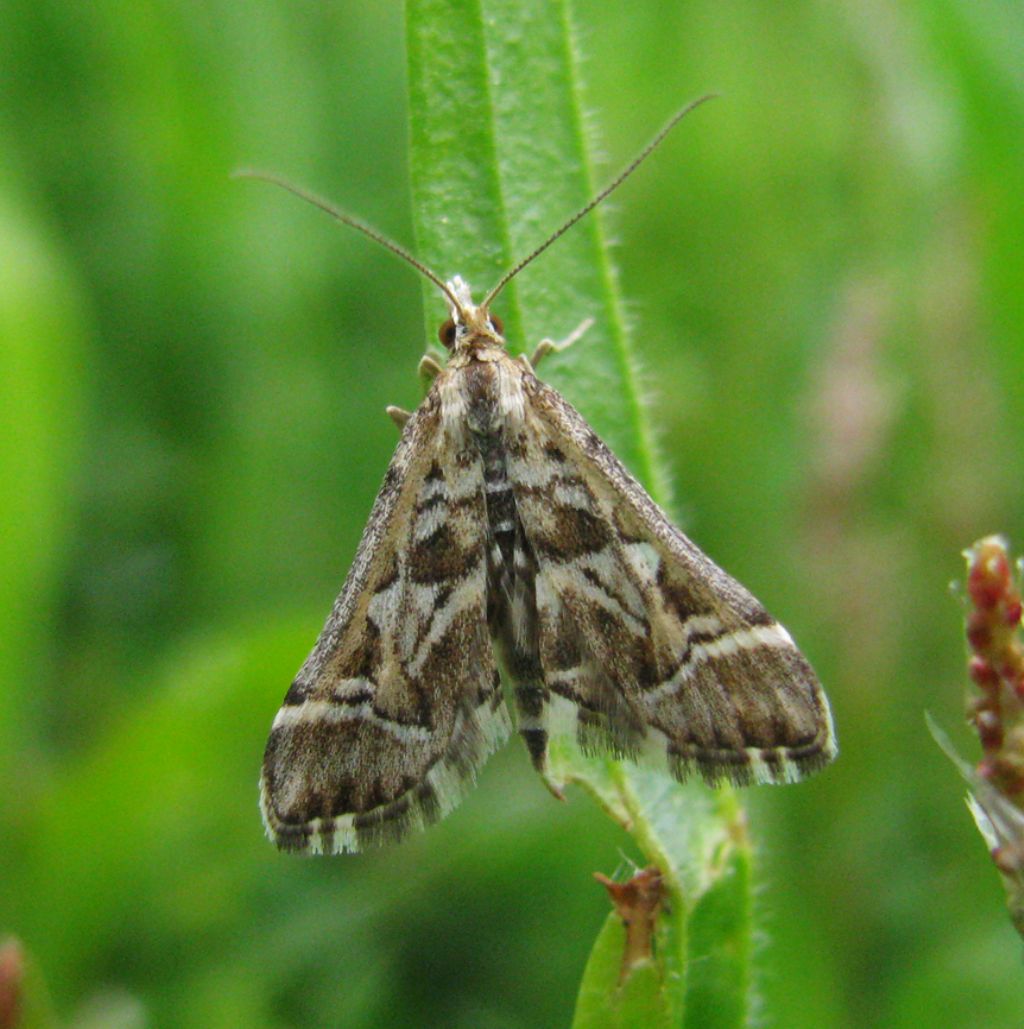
[990, 729]
[979, 632]
[1006, 860]
[989, 575]
[12, 974]
[982, 672]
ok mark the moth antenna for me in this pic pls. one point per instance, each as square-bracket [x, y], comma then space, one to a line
[346, 219]
[588, 207]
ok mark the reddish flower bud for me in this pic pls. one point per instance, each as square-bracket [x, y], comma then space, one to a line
[981, 671]
[1006, 860]
[989, 576]
[979, 632]
[12, 974]
[990, 729]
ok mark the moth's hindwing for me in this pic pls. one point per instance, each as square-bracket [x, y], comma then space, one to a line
[400, 702]
[644, 644]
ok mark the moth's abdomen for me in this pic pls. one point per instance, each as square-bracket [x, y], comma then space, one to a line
[501, 506]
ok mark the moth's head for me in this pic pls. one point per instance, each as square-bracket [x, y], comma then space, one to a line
[468, 327]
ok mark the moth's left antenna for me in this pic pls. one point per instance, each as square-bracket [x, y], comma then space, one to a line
[355, 223]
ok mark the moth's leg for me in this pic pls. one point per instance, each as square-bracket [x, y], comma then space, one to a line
[549, 346]
[429, 369]
[398, 415]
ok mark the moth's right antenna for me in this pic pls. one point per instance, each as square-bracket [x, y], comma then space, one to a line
[610, 188]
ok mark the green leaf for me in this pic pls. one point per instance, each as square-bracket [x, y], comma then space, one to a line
[720, 944]
[498, 161]
[639, 1003]
[698, 840]
[599, 986]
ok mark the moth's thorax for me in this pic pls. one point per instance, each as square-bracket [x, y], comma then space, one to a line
[476, 347]
[482, 393]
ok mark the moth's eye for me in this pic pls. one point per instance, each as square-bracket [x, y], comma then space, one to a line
[446, 334]
[499, 325]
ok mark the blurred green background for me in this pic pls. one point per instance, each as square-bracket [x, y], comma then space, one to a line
[825, 273]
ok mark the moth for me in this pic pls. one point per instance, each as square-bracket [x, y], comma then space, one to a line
[507, 538]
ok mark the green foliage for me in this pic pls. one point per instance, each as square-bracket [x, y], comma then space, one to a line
[822, 271]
